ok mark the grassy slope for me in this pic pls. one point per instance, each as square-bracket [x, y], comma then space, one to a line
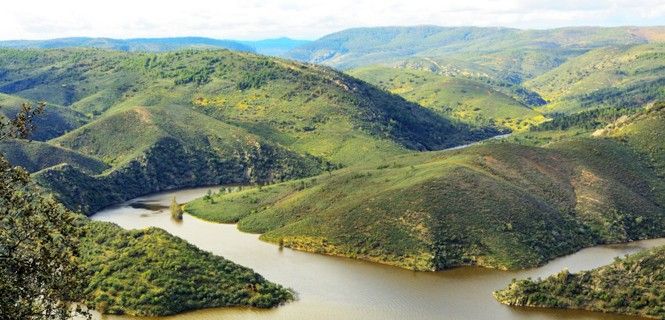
[612, 76]
[470, 101]
[633, 285]
[152, 149]
[35, 156]
[152, 273]
[55, 120]
[309, 110]
[498, 205]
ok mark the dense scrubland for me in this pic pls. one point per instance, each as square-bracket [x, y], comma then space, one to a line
[350, 164]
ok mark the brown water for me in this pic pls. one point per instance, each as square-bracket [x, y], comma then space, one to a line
[339, 288]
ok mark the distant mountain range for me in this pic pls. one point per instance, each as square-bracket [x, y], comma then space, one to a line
[277, 46]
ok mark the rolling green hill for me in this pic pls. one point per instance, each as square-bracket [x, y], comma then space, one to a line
[152, 273]
[472, 102]
[307, 108]
[153, 149]
[55, 120]
[606, 77]
[633, 285]
[34, 156]
[187, 118]
[496, 205]
[644, 132]
[571, 68]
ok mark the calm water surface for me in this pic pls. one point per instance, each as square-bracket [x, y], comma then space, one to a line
[340, 288]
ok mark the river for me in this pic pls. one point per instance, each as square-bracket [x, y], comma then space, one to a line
[340, 288]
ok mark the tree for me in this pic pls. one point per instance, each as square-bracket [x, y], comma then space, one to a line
[176, 210]
[39, 270]
[208, 196]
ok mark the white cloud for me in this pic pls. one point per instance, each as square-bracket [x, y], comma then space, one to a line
[254, 19]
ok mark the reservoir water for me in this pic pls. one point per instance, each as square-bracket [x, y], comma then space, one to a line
[340, 288]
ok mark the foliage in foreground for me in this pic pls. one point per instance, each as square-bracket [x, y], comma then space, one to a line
[634, 285]
[39, 271]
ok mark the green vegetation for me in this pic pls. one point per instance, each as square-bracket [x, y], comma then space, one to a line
[644, 133]
[34, 156]
[587, 120]
[159, 121]
[625, 77]
[152, 273]
[176, 210]
[496, 205]
[472, 102]
[152, 149]
[490, 75]
[52, 257]
[633, 285]
[55, 120]
[39, 238]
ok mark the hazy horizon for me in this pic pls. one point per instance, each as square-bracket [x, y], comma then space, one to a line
[286, 36]
[298, 19]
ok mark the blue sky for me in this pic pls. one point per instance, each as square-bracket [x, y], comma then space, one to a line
[252, 19]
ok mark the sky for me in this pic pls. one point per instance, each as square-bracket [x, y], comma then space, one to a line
[302, 19]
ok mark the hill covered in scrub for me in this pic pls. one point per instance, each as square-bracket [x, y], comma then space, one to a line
[152, 273]
[53, 122]
[499, 205]
[470, 101]
[152, 149]
[189, 118]
[633, 285]
[616, 76]
[34, 156]
[508, 78]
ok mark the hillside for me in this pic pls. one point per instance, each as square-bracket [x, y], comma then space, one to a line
[152, 273]
[188, 118]
[633, 285]
[135, 44]
[154, 149]
[472, 102]
[55, 120]
[308, 108]
[606, 77]
[496, 205]
[529, 52]
[644, 132]
[34, 156]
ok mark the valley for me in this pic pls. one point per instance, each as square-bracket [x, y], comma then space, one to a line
[375, 173]
[370, 291]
